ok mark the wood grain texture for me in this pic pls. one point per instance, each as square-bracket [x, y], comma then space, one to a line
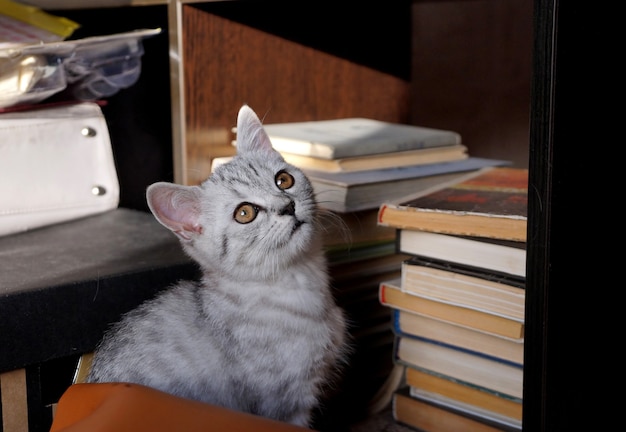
[228, 64]
[471, 72]
[13, 401]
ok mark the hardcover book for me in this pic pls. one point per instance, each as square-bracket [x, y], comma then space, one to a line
[381, 160]
[408, 324]
[489, 203]
[349, 137]
[427, 415]
[502, 256]
[364, 190]
[390, 294]
[495, 293]
[423, 381]
[468, 366]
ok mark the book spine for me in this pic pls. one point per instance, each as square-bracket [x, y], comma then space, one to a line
[453, 389]
[468, 384]
[497, 375]
[426, 415]
[393, 297]
[400, 334]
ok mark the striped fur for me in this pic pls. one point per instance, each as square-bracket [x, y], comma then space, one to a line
[260, 332]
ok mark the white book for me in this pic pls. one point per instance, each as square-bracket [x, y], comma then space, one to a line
[498, 255]
[348, 137]
[364, 190]
[471, 368]
[407, 323]
[470, 287]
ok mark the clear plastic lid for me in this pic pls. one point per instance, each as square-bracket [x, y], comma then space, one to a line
[90, 68]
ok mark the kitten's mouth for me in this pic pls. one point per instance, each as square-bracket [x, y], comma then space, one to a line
[297, 225]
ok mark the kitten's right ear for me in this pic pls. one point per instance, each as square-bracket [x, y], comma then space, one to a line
[250, 132]
[176, 207]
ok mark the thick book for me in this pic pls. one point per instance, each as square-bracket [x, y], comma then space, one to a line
[474, 288]
[503, 256]
[463, 407]
[365, 190]
[430, 329]
[420, 381]
[468, 366]
[489, 203]
[381, 160]
[427, 415]
[348, 137]
[390, 294]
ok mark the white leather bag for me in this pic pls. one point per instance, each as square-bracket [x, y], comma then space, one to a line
[56, 164]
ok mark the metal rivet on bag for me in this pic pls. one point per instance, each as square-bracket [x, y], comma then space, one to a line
[88, 131]
[98, 190]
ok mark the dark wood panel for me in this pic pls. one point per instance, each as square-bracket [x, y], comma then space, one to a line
[366, 33]
[228, 64]
[471, 73]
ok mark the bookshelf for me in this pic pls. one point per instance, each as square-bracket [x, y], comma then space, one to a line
[287, 70]
[486, 68]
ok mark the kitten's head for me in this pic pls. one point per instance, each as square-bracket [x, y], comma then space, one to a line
[256, 213]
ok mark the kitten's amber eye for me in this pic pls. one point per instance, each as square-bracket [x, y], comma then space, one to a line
[284, 180]
[246, 213]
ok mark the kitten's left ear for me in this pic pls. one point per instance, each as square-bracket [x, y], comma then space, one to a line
[250, 131]
[176, 207]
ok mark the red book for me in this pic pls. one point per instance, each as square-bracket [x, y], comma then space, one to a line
[489, 203]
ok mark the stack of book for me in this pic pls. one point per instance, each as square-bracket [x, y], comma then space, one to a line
[354, 164]
[458, 305]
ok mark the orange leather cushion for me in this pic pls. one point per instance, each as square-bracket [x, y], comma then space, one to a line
[122, 407]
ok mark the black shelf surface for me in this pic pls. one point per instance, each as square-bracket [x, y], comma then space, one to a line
[61, 286]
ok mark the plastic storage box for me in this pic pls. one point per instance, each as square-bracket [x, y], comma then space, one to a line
[90, 68]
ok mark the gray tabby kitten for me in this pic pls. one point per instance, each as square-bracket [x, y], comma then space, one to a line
[260, 332]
